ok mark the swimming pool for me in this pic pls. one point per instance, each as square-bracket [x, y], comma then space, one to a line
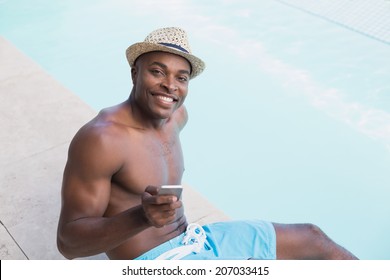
[289, 123]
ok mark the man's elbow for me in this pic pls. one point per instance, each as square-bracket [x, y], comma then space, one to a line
[67, 251]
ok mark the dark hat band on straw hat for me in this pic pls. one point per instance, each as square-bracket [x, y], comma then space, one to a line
[174, 46]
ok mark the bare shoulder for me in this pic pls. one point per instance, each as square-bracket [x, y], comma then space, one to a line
[100, 141]
[108, 125]
[181, 117]
[99, 131]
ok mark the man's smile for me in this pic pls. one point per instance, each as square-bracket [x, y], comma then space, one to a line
[165, 98]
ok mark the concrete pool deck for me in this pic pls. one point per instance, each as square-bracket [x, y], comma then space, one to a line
[38, 118]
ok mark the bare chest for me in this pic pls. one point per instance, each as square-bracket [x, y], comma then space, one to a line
[151, 162]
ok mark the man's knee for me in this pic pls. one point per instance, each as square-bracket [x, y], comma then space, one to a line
[316, 236]
[314, 230]
[300, 241]
[322, 246]
[307, 241]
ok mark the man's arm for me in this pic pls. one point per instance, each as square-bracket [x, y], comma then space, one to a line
[82, 230]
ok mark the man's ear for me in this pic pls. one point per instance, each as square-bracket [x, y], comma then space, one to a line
[133, 74]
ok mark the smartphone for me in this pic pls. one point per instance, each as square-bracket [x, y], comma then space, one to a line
[175, 190]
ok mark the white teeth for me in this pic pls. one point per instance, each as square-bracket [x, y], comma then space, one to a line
[164, 98]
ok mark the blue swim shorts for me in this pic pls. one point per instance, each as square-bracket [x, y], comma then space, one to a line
[231, 240]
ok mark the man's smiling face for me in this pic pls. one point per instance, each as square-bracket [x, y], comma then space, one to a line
[160, 81]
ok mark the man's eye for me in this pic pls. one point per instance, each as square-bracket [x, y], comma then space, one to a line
[183, 79]
[156, 72]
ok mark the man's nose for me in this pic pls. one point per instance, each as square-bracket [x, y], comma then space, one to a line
[169, 84]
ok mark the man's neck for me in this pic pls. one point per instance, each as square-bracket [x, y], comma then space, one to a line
[141, 118]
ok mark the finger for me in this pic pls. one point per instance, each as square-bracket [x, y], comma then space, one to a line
[166, 199]
[161, 218]
[147, 198]
[153, 190]
[150, 195]
[167, 206]
[167, 214]
[161, 210]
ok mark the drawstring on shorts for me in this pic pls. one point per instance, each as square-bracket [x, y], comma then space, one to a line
[193, 242]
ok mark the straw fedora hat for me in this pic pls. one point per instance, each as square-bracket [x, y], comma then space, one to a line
[170, 39]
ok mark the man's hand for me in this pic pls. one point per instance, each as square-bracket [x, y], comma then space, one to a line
[160, 210]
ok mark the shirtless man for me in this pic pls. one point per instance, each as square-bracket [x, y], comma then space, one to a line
[118, 161]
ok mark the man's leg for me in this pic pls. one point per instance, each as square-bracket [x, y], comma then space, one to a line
[307, 241]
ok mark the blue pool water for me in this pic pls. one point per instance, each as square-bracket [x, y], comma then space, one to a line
[290, 122]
